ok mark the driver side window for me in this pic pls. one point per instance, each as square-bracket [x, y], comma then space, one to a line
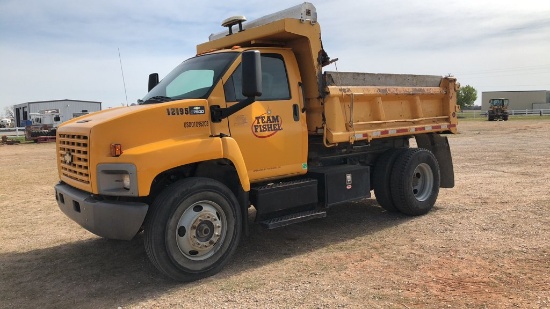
[274, 81]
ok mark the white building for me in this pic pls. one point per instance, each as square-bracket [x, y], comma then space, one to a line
[67, 109]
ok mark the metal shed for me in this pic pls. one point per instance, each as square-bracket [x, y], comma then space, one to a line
[68, 109]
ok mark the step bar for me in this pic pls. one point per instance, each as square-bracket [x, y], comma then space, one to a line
[293, 218]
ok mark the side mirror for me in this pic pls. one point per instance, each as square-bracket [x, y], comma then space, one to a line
[153, 81]
[252, 73]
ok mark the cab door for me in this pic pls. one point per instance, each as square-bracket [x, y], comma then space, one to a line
[271, 132]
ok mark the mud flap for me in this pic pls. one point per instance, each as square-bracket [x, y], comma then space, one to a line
[439, 146]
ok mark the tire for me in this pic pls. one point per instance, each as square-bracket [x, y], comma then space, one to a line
[381, 178]
[505, 118]
[415, 181]
[193, 229]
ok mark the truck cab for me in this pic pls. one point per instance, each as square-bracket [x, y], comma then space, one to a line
[275, 115]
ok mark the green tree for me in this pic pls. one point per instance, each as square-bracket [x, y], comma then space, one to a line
[466, 96]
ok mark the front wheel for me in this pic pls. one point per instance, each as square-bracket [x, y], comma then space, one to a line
[415, 181]
[193, 229]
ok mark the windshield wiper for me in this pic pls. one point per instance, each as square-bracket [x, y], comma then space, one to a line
[157, 99]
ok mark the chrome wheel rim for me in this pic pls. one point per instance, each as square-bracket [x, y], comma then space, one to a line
[422, 182]
[201, 230]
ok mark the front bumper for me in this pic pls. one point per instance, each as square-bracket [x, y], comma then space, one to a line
[109, 219]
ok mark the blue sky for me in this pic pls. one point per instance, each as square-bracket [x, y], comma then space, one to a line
[61, 49]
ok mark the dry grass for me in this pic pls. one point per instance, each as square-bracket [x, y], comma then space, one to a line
[486, 243]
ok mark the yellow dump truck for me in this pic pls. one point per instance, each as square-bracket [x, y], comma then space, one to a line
[252, 125]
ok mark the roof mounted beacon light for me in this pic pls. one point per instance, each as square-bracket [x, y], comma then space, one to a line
[305, 12]
[234, 20]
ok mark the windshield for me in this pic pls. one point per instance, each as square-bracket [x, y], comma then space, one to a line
[501, 102]
[192, 79]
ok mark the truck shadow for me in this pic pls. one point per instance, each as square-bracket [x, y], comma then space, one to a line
[106, 273]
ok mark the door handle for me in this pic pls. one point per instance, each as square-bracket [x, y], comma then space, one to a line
[296, 112]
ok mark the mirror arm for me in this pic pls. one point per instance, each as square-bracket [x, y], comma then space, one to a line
[218, 113]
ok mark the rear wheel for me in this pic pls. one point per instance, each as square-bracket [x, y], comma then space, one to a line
[193, 229]
[415, 181]
[381, 178]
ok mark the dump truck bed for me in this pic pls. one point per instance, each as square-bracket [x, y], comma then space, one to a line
[366, 106]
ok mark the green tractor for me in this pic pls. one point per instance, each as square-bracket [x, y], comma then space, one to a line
[498, 109]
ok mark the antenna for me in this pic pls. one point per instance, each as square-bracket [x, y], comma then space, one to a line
[122, 71]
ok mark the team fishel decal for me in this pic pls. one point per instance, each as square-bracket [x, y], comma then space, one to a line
[266, 125]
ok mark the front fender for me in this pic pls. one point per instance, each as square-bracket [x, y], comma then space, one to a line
[232, 152]
[155, 158]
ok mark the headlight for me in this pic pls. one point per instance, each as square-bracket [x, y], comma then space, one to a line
[117, 179]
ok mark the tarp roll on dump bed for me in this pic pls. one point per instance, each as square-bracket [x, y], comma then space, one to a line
[373, 79]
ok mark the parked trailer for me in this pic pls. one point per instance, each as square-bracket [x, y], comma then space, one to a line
[253, 121]
[42, 127]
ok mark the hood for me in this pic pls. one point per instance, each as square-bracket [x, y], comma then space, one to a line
[141, 124]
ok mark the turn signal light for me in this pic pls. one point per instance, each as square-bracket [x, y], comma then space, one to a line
[116, 150]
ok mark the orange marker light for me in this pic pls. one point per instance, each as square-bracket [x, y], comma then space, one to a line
[116, 150]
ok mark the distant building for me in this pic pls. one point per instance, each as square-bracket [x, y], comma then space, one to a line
[535, 99]
[67, 109]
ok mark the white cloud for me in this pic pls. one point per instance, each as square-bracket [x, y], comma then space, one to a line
[65, 49]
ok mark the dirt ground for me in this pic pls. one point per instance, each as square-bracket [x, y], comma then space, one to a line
[486, 244]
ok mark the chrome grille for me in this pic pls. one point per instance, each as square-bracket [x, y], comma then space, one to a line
[73, 157]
